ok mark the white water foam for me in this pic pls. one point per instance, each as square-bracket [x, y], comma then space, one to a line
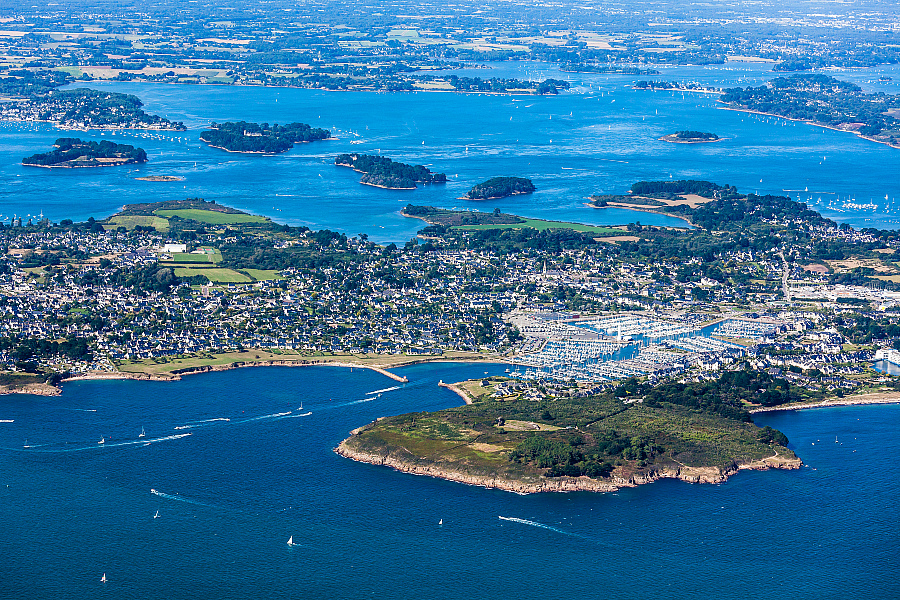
[390, 389]
[540, 525]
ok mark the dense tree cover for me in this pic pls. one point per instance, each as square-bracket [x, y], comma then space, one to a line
[149, 278]
[735, 213]
[30, 348]
[384, 172]
[695, 135]
[671, 189]
[82, 153]
[551, 86]
[241, 136]
[863, 329]
[573, 458]
[451, 218]
[257, 253]
[500, 187]
[724, 396]
[821, 99]
[96, 108]
[606, 68]
[32, 83]
[499, 85]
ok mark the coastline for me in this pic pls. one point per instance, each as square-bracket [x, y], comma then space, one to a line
[673, 140]
[861, 400]
[177, 374]
[635, 207]
[456, 390]
[69, 166]
[494, 197]
[567, 484]
[813, 123]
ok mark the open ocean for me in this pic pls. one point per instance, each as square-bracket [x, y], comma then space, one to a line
[231, 494]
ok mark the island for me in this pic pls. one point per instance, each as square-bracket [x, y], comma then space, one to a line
[70, 153]
[690, 137]
[160, 178]
[606, 69]
[513, 436]
[253, 138]
[496, 85]
[380, 171]
[500, 187]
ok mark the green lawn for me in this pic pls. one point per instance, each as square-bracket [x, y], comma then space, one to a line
[261, 275]
[180, 257]
[542, 225]
[216, 275]
[210, 216]
[132, 221]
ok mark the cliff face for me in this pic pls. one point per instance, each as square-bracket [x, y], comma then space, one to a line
[564, 484]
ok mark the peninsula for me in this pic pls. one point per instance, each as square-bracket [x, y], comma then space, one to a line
[380, 171]
[825, 101]
[253, 138]
[515, 437]
[690, 137]
[500, 187]
[70, 153]
[80, 108]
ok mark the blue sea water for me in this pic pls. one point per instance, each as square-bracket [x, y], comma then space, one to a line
[598, 138]
[231, 494]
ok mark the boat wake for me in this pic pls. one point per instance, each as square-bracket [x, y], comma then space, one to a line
[306, 414]
[50, 448]
[203, 423]
[541, 526]
[265, 417]
[390, 389]
[178, 498]
[351, 403]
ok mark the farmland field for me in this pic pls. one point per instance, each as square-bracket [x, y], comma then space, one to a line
[211, 217]
[216, 275]
[132, 221]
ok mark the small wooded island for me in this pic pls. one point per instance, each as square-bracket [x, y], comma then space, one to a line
[636, 433]
[500, 187]
[253, 138]
[71, 153]
[380, 171]
[690, 137]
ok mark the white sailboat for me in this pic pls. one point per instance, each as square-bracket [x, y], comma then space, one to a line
[102, 440]
[290, 541]
[441, 522]
[156, 516]
[142, 434]
[103, 579]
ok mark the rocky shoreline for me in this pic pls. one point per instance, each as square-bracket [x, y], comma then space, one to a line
[861, 400]
[570, 484]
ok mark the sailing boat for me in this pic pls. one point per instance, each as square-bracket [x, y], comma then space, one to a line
[102, 440]
[291, 541]
[103, 579]
[142, 434]
[441, 522]
[156, 516]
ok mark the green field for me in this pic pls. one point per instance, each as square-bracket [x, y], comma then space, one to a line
[261, 275]
[216, 275]
[181, 257]
[542, 225]
[132, 221]
[211, 217]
